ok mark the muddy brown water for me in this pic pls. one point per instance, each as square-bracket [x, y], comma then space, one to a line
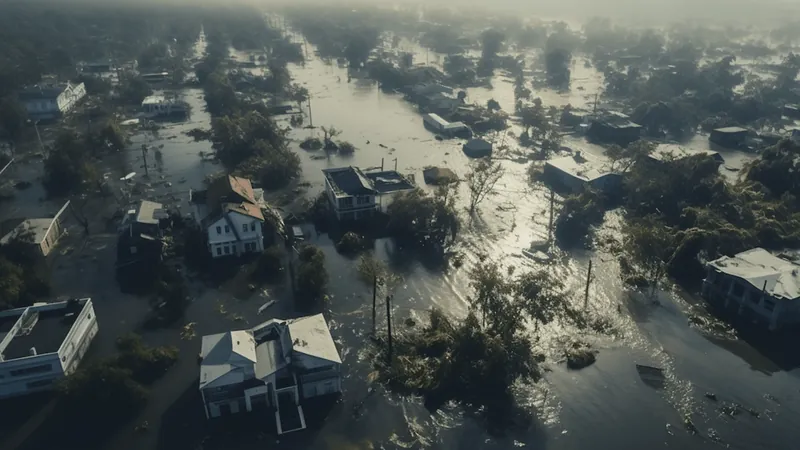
[603, 406]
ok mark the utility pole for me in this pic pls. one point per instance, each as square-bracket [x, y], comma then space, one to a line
[144, 156]
[389, 324]
[374, 300]
[310, 118]
[381, 164]
[550, 226]
[588, 281]
[395, 164]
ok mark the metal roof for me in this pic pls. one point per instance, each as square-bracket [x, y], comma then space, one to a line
[349, 181]
[226, 353]
[150, 212]
[580, 167]
[37, 227]
[731, 130]
[758, 266]
[311, 336]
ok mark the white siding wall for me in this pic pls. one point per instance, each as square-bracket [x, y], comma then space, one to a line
[221, 236]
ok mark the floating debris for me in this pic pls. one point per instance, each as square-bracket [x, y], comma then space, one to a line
[264, 307]
[580, 355]
[187, 332]
[713, 435]
[711, 396]
[690, 427]
[772, 398]
[652, 376]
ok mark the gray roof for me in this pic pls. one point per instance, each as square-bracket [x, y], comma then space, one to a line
[664, 151]
[311, 336]
[269, 358]
[42, 92]
[387, 181]
[37, 227]
[349, 181]
[731, 130]
[758, 266]
[224, 354]
[580, 167]
[478, 144]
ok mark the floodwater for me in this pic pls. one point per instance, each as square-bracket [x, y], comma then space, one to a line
[605, 405]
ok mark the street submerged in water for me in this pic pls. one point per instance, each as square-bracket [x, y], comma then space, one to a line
[607, 404]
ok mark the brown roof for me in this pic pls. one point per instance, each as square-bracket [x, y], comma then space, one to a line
[229, 189]
[247, 209]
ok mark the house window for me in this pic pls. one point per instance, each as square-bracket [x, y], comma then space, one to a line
[244, 227]
[253, 226]
[769, 305]
[362, 200]
[219, 230]
[227, 250]
[31, 370]
[346, 202]
[40, 383]
[219, 251]
[227, 229]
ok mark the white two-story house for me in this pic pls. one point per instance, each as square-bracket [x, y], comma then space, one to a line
[51, 101]
[42, 343]
[232, 216]
[273, 367]
[356, 195]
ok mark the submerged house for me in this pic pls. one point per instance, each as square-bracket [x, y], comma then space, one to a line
[477, 148]
[730, 137]
[670, 152]
[613, 127]
[756, 284]
[41, 344]
[231, 212]
[42, 233]
[161, 106]
[355, 194]
[578, 172]
[435, 123]
[47, 102]
[273, 367]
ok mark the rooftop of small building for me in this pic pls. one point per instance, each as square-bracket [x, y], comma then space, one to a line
[665, 151]
[51, 324]
[349, 181]
[38, 229]
[616, 119]
[731, 130]
[150, 212]
[386, 181]
[38, 92]
[777, 276]
[154, 100]
[581, 166]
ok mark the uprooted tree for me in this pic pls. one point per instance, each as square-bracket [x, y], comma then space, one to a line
[482, 180]
[490, 348]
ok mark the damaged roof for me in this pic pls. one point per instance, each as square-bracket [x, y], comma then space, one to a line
[779, 277]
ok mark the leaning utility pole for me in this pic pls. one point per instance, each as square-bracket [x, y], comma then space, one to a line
[310, 119]
[588, 281]
[374, 300]
[389, 324]
[550, 226]
[144, 156]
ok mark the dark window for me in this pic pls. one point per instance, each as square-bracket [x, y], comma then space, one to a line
[219, 230]
[253, 226]
[219, 251]
[227, 229]
[362, 200]
[40, 383]
[227, 250]
[244, 227]
[769, 305]
[346, 202]
[31, 370]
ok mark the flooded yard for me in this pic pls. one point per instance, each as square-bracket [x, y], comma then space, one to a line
[606, 404]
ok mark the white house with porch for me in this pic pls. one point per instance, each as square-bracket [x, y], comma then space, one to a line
[274, 366]
[756, 284]
[230, 211]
